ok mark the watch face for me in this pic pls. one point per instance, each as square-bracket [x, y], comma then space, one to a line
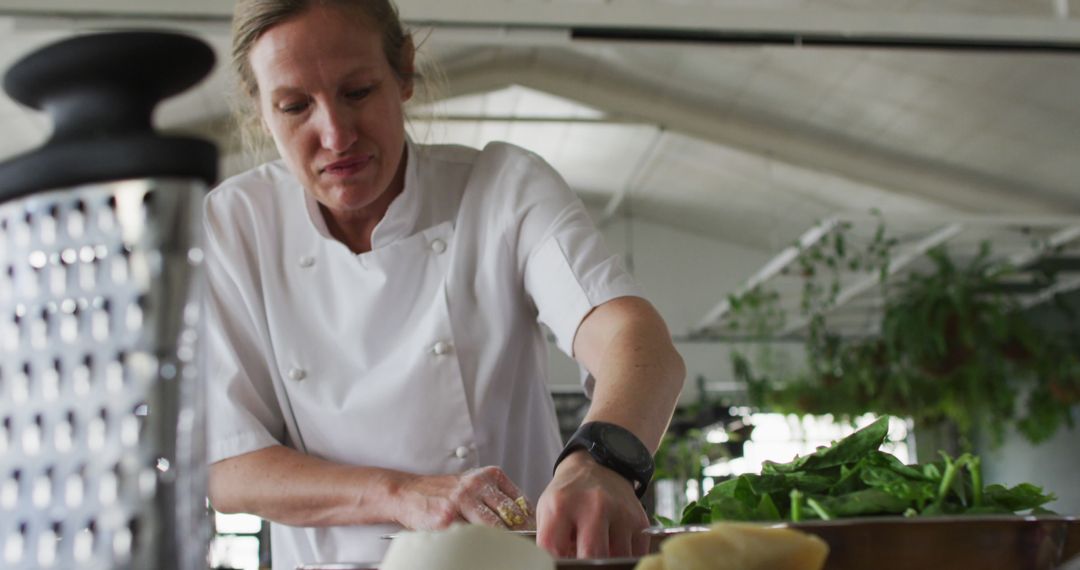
[623, 445]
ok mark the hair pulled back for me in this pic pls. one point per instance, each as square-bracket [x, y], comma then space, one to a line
[253, 18]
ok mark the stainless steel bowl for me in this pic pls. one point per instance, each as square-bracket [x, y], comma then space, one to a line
[897, 543]
[606, 564]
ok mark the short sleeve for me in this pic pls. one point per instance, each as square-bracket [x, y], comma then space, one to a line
[567, 268]
[243, 410]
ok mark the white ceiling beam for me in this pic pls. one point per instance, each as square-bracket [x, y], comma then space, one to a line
[634, 14]
[770, 270]
[644, 163]
[951, 228]
[1061, 238]
[784, 141]
[1060, 288]
[868, 281]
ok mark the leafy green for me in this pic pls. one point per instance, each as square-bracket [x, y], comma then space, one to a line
[1019, 498]
[664, 521]
[864, 502]
[853, 478]
[766, 510]
[696, 513]
[844, 451]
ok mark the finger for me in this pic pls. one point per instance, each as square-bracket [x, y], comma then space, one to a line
[506, 507]
[480, 513]
[641, 543]
[620, 542]
[593, 538]
[505, 510]
[504, 483]
[520, 509]
[510, 513]
[555, 538]
[478, 496]
[530, 513]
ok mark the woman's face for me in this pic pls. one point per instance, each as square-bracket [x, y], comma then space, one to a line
[334, 106]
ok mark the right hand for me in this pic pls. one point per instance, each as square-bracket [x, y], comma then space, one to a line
[481, 496]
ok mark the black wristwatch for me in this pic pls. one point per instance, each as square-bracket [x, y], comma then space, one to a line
[617, 449]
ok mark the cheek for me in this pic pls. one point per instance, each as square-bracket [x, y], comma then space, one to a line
[387, 125]
[289, 138]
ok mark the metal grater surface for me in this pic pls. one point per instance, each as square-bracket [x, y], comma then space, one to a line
[101, 427]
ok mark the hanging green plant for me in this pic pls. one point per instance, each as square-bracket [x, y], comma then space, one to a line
[950, 348]
[685, 456]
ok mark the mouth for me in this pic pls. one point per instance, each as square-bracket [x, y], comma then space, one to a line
[346, 166]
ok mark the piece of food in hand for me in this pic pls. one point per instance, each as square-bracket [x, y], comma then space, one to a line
[515, 519]
[512, 519]
[524, 504]
[740, 546]
[465, 547]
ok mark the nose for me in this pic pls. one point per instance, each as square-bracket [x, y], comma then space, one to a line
[336, 132]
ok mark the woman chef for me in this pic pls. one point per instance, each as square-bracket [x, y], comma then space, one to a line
[375, 357]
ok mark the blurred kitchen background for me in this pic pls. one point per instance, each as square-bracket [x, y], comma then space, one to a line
[762, 166]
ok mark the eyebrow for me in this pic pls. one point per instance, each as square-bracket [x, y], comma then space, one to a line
[284, 91]
[288, 90]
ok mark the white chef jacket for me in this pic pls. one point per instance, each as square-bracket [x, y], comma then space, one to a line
[423, 355]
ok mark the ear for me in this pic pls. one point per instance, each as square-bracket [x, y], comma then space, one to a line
[408, 68]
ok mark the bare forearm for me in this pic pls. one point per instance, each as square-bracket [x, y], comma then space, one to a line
[638, 372]
[289, 487]
[589, 510]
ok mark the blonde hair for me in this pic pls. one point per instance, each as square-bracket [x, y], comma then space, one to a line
[253, 18]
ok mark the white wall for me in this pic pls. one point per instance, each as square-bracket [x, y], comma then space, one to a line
[1054, 465]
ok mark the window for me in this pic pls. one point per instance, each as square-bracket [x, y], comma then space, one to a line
[239, 542]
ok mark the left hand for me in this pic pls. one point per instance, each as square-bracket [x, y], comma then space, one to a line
[590, 511]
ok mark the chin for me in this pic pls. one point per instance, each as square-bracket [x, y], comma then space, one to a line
[350, 200]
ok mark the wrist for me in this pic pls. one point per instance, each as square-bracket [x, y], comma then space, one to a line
[394, 498]
[575, 460]
[613, 447]
[579, 465]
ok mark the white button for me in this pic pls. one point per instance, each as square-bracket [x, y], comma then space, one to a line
[441, 348]
[297, 374]
[307, 261]
[438, 246]
[461, 452]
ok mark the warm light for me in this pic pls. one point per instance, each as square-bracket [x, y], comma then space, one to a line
[237, 524]
[717, 435]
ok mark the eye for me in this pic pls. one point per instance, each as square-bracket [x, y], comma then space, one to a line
[358, 94]
[293, 107]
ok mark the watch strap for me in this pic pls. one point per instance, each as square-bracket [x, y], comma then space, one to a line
[590, 437]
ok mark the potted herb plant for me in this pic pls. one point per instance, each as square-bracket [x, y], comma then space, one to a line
[954, 352]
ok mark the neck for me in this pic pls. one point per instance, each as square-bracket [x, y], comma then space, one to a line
[354, 228]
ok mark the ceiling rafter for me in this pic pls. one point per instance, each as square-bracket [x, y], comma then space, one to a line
[1016, 239]
[1047, 25]
[799, 145]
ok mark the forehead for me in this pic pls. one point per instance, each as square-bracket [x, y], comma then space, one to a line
[320, 42]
